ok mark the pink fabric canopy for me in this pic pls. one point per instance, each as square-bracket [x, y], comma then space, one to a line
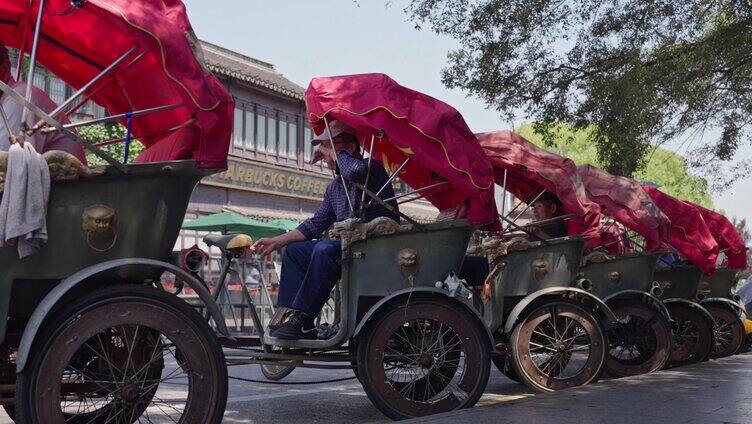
[409, 124]
[77, 43]
[725, 235]
[531, 170]
[624, 200]
[689, 235]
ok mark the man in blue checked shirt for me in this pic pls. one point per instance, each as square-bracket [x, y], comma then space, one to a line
[311, 266]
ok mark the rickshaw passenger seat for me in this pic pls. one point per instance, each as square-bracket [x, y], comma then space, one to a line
[229, 242]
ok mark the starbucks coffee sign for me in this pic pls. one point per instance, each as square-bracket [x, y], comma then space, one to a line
[265, 178]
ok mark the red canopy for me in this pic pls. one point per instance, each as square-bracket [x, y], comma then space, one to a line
[531, 170]
[77, 43]
[431, 133]
[689, 234]
[725, 235]
[624, 200]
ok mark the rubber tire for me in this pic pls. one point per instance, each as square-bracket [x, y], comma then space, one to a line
[737, 328]
[515, 355]
[277, 375]
[366, 339]
[57, 322]
[705, 333]
[504, 365]
[664, 327]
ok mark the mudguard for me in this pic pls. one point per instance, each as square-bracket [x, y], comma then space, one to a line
[525, 303]
[694, 305]
[50, 301]
[404, 293]
[734, 306]
[631, 294]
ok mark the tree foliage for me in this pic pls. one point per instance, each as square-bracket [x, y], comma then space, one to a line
[100, 133]
[640, 72]
[663, 167]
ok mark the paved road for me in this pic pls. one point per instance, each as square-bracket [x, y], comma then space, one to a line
[343, 402]
[715, 392]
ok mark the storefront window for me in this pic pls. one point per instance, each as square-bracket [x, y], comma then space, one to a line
[282, 138]
[307, 148]
[250, 127]
[237, 133]
[271, 136]
[57, 90]
[261, 132]
[292, 146]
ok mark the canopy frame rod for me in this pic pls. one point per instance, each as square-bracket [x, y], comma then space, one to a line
[5, 88]
[361, 206]
[33, 63]
[389, 207]
[389, 180]
[505, 230]
[336, 159]
[113, 118]
[418, 191]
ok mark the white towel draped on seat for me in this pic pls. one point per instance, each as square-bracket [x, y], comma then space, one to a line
[23, 209]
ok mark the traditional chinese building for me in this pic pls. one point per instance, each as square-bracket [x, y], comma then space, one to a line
[268, 175]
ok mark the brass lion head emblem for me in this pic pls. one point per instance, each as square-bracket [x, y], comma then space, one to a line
[540, 268]
[614, 277]
[408, 263]
[99, 224]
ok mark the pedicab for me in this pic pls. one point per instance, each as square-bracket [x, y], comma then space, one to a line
[624, 278]
[87, 334]
[716, 290]
[680, 278]
[407, 327]
[534, 288]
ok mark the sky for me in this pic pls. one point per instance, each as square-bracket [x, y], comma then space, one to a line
[305, 39]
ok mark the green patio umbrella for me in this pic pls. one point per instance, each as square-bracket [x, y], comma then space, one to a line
[284, 224]
[228, 222]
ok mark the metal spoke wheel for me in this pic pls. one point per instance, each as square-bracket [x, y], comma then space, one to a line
[693, 338]
[641, 342]
[558, 345]
[124, 354]
[503, 363]
[728, 331]
[425, 357]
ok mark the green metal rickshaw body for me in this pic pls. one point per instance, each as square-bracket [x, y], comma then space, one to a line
[633, 272]
[544, 265]
[679, 282]
[91, 221]
[626, 276]
[383, 268]
[717, 288]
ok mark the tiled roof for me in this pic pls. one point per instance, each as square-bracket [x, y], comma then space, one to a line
[226, 62]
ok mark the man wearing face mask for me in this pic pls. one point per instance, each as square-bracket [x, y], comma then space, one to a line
[311, 266]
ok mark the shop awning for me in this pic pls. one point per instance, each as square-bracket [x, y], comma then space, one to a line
[228, 222]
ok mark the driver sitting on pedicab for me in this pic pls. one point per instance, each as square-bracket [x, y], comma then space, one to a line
[311, 266]
[475, 269]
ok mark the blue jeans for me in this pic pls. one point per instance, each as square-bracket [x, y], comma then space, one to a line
[310, 269]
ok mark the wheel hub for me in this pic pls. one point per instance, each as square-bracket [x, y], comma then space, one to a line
[425, 360]
[130, 392]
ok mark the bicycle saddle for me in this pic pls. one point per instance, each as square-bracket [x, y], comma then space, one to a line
[229, 242]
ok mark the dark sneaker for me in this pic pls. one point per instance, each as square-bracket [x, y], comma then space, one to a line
[298, 327]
